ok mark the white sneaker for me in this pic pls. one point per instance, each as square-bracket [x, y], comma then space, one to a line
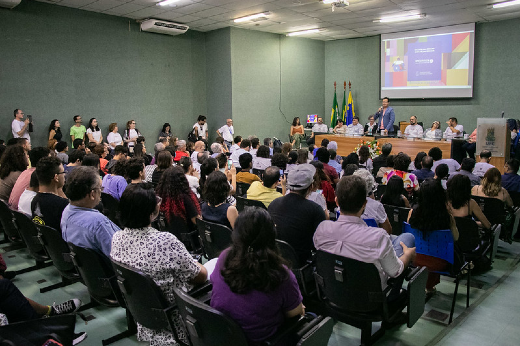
[79, 337]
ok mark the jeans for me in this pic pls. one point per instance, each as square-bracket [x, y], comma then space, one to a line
[13, 303]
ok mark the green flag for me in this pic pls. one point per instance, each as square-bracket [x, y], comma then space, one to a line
[344, 108]
[334, 114]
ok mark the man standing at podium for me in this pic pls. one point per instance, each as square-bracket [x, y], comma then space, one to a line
[386, 117]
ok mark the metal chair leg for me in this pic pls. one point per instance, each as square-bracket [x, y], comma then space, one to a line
[454, 298]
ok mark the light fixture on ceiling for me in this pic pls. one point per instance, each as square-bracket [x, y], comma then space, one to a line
[303, 32]
[506, 4]
[401, 18]
[252, 17]
[166, 2]
[336, 3]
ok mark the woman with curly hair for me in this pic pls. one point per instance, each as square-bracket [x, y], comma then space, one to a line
[325, 185]
[215, 208]
[14, 161]
[179, 205]
[55, 131]
[251, 275]
[491, 186]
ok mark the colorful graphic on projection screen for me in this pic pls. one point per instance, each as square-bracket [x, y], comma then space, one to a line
[428, 61]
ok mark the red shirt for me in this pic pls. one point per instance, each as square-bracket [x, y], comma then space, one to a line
[179, 154]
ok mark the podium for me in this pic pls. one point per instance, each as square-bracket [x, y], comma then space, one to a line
[493, 134]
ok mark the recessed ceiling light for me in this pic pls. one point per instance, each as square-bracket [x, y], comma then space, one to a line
[251, 17]
[399, 18]
[303, 32]
[166, 2]
[506, 4]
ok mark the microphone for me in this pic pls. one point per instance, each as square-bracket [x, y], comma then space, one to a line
[502, 114]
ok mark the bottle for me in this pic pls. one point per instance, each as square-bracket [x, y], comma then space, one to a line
[399, 133]
[369, 130]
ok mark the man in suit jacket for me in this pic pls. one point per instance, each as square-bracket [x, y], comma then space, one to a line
[386, 115]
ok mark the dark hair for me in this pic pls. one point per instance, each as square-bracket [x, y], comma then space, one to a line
[325, 142]
[513, 164]
[364, 154]
[77, 142]
[286, 148]
[303, 156]
[402, 162]
[355, 117]
[119, 168]
[417, 162]
[91, 146]
[386, 149]
[222, 160]
[292, 157]
[467, 164]
[246, 143]
[47, 168]
[120, 149]
[74, 118]
[164, 159]
[323, 154]
[435, 153]
[140, 139]
[245, 160]
[393, 192]
[427, 162]
[271, 175]
[294, 122]
[386, 98]
[351, 158]
[486, 154]
[99, 150]
[207, 167]
[263, 151]
[165, 126]
[34, 180]
[137, 203]
[134, 166]
[432, 212]
[80, 181]
[442, 171]
[279, 160]
[91, 127]
[351, 194]
[35, 154]
[267, 141]
[332, 154]
[15, 112]
[277, 150]
[185, 163]
[255, 142]
[459, 191]
[112, 126]
[253, 261]
[60, 146]
[454, 119]
[76, 155]
[216, 188]
[91, 160]
[320, 172]
[201, 157]
[201, 118]
[138, 150]
[390, 161]
[237, 139]
[52, 126]
[349, 169]
[13, 160]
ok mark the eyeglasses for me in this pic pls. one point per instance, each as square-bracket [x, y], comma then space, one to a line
[61, 172]
[133, 123]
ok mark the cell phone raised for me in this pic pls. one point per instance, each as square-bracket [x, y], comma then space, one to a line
[229, 163]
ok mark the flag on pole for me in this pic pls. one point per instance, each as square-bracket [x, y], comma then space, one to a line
[344, 106]
[334, 114]
[350, 108]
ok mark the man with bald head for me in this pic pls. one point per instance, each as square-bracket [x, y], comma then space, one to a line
[265, 191]
[227, 132]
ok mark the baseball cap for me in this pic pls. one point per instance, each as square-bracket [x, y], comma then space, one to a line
[301, 177]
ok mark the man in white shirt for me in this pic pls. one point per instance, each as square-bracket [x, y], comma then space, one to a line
[320, 127]
[236, 144]
[436, 155]
[355, 129]
[413, 130]
[201, 128]
[453, 130]
[199, 147]
[227, 132]
[244, 147]
[482, 167]
[20, 128]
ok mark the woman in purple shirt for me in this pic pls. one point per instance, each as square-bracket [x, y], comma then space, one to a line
[251, 284]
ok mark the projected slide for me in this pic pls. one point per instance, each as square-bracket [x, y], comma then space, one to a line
[429, 63]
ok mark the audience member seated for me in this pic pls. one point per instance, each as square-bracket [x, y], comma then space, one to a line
[482, 167]
[355, 129]
[432, 214]
[323, 156]
[35, 154]
[222, 162]
[192, 175]
[61, 150]
[349, 169]
[417, 162]
[303, 156]
[295, 217]
[216, 148]
[180, 205]
[236, 144]
[425, 172]
[81, 223]
[380, 161]
[164, 161]
[350, 237]
[511, 179]
[442, 172]
[401, 163]
[75, 160]
[115, 183]
[47, 206]
[255, 144]
[181, 150]
[265, 191]
[492, 187]
[466, 168]
[137, 246]
[224, 144]
[460, 202]
[24, 204]
[92, 160]
[135, 170]
[215, 208]
[262, 159]
[436, 154]
[279, 160]
[373, 209]
[292, 160]
[251, 284]
[296, 133]
[316, 194]
[244, 148]
[333, 145]
[365, 161]
[102, 151]
[120, 152]
[286, 149]
[13, 162]
[325, 185]
[394, 193]
[244, 176]
[324, 144]
[139, 151]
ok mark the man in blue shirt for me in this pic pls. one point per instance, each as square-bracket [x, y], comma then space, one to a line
[426, 169]
[81, 224]
[511, 179]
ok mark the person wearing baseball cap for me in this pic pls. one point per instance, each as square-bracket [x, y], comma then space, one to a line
[295, 217]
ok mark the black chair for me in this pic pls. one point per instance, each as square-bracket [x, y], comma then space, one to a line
[353, 295]
[396, 216]
[8, 224]
[474, 244]
[180, 229]
[110, 207]
[38, 331]
[29, 234]
[495, 211]
[380, 191]
[242, 189]
[59, 252]
[243, 203]
[209, 327]
[258, 172]
[215, 238]
[303, 273]
[101, 282]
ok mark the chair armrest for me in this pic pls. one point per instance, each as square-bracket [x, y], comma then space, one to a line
[201, 289]
[412, 272]
[287, 330]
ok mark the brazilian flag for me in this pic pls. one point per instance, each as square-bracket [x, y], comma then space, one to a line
[334, 114]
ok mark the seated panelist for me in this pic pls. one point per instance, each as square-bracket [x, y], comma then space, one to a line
[413, 130]
[355, 129]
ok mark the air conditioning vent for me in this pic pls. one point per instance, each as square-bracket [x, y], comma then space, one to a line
[163, 27]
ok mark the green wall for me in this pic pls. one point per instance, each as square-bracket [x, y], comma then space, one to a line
[57, 62]
[496, 81]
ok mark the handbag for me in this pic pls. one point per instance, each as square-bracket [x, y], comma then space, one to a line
[192, 137]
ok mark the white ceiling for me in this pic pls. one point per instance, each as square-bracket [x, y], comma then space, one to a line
[286, 16]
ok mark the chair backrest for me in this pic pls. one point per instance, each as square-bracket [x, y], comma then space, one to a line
[205, 325]
[242, 189]
[371, 222]
[143, 297]
[396, 216]
[469, 238]
[8, 222]
[29, 233]
[259, 172]
[493, 208]
[380, 191]
[438, 244]
[215, 237]
[243, 202]
[349, 284]
[288, 253]
[110, 207]
[57, 249]
[97, 275]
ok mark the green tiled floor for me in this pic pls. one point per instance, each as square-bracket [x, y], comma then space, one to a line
[492, 318]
